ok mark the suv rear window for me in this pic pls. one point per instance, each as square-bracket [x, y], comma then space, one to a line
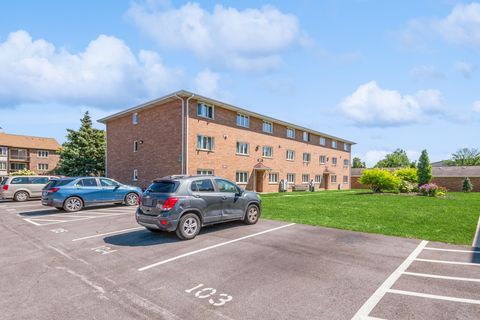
[57, 183]
[163, 187]
[4, 181]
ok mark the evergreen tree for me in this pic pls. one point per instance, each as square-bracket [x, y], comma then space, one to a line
[424, 169]
[467, 185]
[357, 163]
[83, 154]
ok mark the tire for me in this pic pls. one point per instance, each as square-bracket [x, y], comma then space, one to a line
[153, 230]
[188, 227]
[21, 196]
[73, 204]
[252, 215]
[131, 199]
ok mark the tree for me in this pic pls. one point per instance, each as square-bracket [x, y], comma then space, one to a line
[465, 157]
[396, 159]
[357, 163]
[23, 172]
[467, 185]
[380, 180]
[424, 169]
[83, 154]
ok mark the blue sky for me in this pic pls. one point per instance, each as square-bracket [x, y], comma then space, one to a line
[386, 74]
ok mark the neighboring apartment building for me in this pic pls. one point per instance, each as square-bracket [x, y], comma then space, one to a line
[24, 152]
[185, 133]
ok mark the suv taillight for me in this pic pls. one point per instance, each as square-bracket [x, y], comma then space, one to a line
[169, 203]
[139, 200]
[53, 190]
[5, 187]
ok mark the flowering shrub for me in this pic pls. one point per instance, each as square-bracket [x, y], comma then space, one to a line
[409, 179]
[432, 190]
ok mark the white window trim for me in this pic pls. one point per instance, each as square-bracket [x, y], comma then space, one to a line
[208, 105]
[199, 172]
[315, 179]
[273, 182]
[40, 154]
[135, 118]
[286, 155]
[324, 141]
[135, 146]
[213, 143]
[345, 147]
[309, 157]
[135, 175]
[241, 172]
[308, 135]
[242, 154]
[293, 129]
[44, 165]
[308, 178]
[334, 162]
[268, 157]
[345, 182]
[331, 179]
[263, 126]
[294, 178]
[242, 115]
[324, 159]
[334, 144]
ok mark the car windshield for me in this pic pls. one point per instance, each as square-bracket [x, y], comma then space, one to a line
[57, 183]
[163, 187]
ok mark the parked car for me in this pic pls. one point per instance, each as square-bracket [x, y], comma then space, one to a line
[22, 188]
[184, 204]
[73, 194]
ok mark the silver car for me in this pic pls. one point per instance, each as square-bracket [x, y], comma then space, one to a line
[22, 188]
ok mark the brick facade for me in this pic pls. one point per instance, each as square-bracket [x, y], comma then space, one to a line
[159, 127]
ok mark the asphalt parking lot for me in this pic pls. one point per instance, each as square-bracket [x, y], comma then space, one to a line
[99, 264]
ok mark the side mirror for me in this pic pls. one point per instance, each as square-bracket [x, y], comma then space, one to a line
[240, 192]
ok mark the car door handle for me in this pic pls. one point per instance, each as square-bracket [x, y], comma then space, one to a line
[196, 195]
[224, 198]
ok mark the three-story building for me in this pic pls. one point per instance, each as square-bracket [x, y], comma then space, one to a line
[186, 133]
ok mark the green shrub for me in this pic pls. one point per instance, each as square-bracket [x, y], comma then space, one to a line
[23, 172]
[424, 169]
[467, 185]
[380, 180]
[409, 179]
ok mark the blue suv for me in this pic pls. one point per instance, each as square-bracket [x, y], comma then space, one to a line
[73, 194]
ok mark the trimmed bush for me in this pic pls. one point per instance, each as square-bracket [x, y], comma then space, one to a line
[23, 172]
[380, 180]
[409, 179]
[467, 185]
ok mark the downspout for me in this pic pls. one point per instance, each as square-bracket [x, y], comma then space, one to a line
[188, 126]
[183, 131]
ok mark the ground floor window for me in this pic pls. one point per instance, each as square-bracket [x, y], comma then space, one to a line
[3, 165]
[17, 166]
[318, 178]
[135, 174]
[205, 172]
[345, 179]
[273, 177]
[333, 178]
[305, 178]
[42, 166]
[241, 177]
[291, 177]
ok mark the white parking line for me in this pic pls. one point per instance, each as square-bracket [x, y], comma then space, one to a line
[449, 262]
[213, 247]
[451, 250]
[436, 276]
[476, 237]
[433, 296]
[368, 306]
[107, 233]
[68, 218]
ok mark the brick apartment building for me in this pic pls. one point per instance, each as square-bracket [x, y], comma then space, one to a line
[185, 133]
[24, 152]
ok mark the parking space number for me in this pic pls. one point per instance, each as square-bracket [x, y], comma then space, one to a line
[103, 250]
[216, 300]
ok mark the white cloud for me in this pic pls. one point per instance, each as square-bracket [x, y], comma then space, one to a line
[466, 69]
[371, 105]
[105, 73]
[206, 83]
[250, 39]
[426, 72]
[476, 106]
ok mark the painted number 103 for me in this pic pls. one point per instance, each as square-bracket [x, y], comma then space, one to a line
[215, 299]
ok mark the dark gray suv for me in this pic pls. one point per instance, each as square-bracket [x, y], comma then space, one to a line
[186, 203]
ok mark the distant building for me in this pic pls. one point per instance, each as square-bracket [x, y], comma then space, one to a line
[19, 152]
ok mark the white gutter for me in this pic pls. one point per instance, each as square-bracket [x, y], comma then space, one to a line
[188, 127]
[183, 131]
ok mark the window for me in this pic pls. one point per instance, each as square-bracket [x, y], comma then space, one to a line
[334, 161]
[108, 183]
[322, 141]
[267, 152]
[306, 136]
[273, 177]
[291, 177]
[334, 144]
[135, 174]
[20, 180]
[333, 179]
[242, 148]
[290, 155]
[267, 127]
[17, 166]
[322, 159]
[318, 178]
[345, 179]
[135, 118]
[291, 133]
[87, 183]
[205, 110]
[241, 177]
[163, 186]
[204, 185]
[3, 165]
[345, 146]
[42, 166]
[205, 143]
[243, 120]
[345, 162]
[305, 178]
[135, 146]
[226, 186]
[306, 157]
[39, 180]
[3, 151]
[205, 172]
[42, 154]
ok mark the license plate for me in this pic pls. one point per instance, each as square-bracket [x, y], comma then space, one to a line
[44, 193]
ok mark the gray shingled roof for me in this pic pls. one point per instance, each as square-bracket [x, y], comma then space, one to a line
[468, 171]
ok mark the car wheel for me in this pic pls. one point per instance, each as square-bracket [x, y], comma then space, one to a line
[21, 196]
[131, 199]
[153, 230]
[188, 227]
[252, 214]
[73, 204]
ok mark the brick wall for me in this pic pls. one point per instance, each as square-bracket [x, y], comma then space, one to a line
[51, 161]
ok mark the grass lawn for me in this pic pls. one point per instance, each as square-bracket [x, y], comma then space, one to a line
[452, 219]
